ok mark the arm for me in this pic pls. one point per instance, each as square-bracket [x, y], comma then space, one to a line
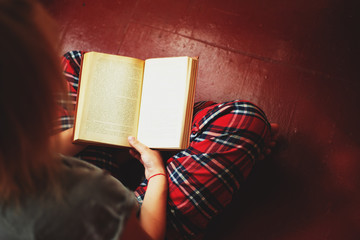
[153, 210]
[62, 143]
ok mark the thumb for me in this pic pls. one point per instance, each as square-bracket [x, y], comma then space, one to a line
[141, 148]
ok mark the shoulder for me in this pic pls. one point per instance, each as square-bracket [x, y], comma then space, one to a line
[93, 203]
[85, 183]
[77, 173]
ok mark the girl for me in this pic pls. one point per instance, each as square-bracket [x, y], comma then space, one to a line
[47, 196]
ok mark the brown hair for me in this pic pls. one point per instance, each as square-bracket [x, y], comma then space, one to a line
[30, 76]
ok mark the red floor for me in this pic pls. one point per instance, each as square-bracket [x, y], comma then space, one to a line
[296, 59]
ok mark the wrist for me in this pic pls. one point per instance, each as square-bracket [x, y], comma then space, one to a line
[160, 174]
[151, 171]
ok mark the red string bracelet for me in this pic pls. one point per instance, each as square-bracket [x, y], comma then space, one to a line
[156, 175]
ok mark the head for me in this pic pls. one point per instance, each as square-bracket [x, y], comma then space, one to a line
[30, 77]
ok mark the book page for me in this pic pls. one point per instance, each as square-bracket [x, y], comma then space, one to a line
[163, 102]
[110, 98]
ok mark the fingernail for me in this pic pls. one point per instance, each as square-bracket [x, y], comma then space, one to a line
[131, 138]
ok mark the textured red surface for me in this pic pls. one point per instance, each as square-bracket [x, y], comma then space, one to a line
[298, 60]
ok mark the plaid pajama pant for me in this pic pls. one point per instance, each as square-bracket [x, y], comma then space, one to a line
[226, 140]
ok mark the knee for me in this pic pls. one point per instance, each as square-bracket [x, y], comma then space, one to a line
[246, 120]
[71, 62]
[253, 122]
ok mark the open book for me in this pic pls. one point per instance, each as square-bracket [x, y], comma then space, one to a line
[122, 96]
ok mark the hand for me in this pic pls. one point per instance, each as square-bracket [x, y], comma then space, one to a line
[151, 159]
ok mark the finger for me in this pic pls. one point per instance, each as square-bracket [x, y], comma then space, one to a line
[141, 148]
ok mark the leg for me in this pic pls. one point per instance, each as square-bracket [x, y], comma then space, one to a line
[226, 141]
[99, 156]
[70, 63]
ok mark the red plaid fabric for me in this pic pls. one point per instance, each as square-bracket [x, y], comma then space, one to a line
[226, 141]
[70, 63]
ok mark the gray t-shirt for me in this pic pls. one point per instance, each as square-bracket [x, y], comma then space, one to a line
[94, 206]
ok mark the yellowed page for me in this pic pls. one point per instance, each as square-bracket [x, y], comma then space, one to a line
[163, 102]
[109, 99]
